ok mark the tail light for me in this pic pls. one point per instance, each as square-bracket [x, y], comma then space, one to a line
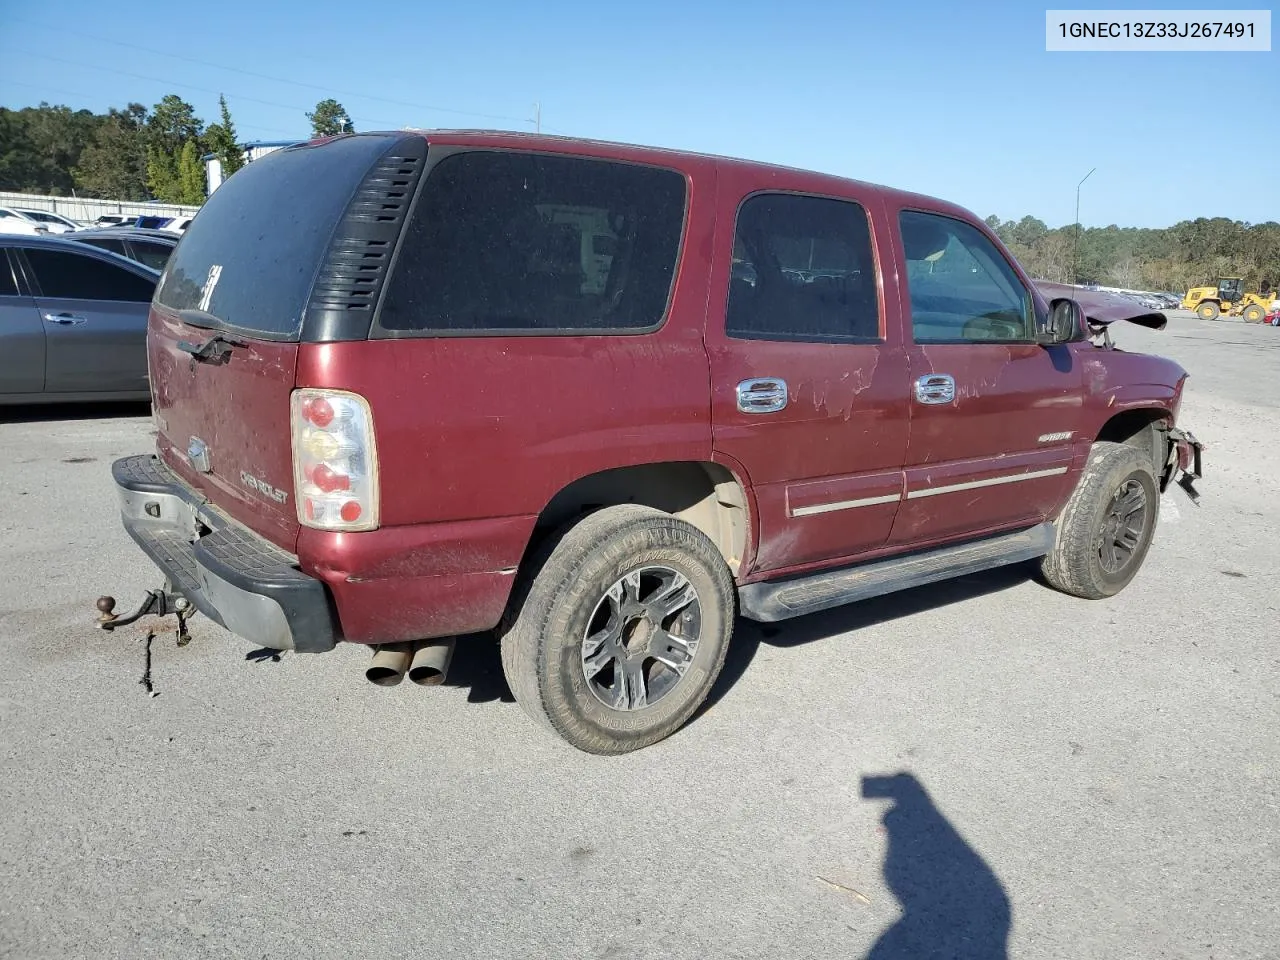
[335, 464]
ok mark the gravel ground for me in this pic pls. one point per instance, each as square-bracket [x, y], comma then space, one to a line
[1085, 779]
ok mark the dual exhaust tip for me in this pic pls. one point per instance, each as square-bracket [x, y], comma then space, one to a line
[425, 661]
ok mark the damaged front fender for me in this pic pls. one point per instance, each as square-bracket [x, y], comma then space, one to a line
[1185, 462]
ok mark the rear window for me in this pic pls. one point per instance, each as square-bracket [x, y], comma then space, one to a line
[250, 256]
[508, 242]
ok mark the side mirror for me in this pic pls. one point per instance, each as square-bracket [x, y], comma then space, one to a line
[1066, 322]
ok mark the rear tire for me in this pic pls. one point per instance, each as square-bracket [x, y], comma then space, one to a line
[1253, 313]
[618, 629]
[1106, 528]
[1208, 311]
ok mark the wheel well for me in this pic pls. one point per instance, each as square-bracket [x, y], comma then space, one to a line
[705, 495]
[1146, 430]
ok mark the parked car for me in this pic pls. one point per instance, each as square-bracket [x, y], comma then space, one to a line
[150, 247]
[54, 222]
[73, 322]
[170, 224]
[114, 220]
[13, 223]
[460, 417]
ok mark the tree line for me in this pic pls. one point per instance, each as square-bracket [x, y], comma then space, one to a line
[1188, 254]
[131, 154]
[157, 154]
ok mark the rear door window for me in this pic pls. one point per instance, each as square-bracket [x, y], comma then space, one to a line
[509, 242]
[8, 283]
[803, 270]
[74, 276]
[114, 244]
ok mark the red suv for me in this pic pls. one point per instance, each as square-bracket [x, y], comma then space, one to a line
[599, 400]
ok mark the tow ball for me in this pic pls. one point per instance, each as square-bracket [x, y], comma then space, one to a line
[158, 603]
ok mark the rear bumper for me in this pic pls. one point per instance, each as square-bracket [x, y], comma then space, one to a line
[229, 574]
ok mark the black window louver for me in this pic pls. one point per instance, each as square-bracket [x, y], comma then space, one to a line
[356, 264]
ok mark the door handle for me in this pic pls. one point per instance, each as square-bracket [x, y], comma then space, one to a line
[64, 319]
[936, 388]
[762, 395]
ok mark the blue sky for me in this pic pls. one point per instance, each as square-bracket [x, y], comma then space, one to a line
[956, 100]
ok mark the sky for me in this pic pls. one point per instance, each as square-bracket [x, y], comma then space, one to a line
[955, 100]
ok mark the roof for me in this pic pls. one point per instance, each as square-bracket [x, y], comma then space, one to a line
[814, 179]
[252, 144]
[135, 233]
[272, 143]
[59, 243]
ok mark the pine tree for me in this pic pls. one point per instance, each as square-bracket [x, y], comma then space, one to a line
[191, 179]
[329, 119]
[162, 176]
[222, 142]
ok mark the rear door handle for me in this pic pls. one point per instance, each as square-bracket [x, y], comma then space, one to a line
[64, 319]
[936, 388]
[762, 395]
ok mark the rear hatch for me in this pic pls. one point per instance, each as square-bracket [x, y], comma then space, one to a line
[289, 250]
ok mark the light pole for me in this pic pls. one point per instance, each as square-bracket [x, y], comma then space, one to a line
[1075, 251]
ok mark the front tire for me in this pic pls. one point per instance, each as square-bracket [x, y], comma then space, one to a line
[1253, 313]
[619, 629]
[1106, 528]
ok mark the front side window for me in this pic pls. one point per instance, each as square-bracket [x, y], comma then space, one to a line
[72, 276]
[802, 270]
[505, 242]
[962, 289]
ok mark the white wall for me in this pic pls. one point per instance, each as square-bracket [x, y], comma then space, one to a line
[88, 210]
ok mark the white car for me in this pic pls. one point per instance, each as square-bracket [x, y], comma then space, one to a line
[12, 222]
[56, 223]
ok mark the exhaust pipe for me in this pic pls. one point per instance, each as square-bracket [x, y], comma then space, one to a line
[390, 660]
[431, 661]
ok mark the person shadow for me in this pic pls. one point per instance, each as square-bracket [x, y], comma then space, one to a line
[953, 904]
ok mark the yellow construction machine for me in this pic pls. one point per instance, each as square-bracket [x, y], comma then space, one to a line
[1228, 299]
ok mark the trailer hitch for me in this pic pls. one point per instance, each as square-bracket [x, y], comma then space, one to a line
[159, 603]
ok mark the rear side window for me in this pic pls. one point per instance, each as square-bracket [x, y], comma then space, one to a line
[72, 276]
[154, 255]
[533, 243]
[802, 270]
[249, 259]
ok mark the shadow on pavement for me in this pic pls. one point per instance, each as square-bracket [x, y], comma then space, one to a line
[953, 905]
[748, 634]
[477, 665]
[50, 412]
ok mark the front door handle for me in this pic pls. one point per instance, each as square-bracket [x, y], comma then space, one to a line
[762, 395]
[936, 388]
[64, 319]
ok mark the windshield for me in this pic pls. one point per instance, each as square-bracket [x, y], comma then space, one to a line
[248, 261]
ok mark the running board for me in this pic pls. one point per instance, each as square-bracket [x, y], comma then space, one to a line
[769, 602]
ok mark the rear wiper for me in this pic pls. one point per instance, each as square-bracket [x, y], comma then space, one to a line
[214, 350]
